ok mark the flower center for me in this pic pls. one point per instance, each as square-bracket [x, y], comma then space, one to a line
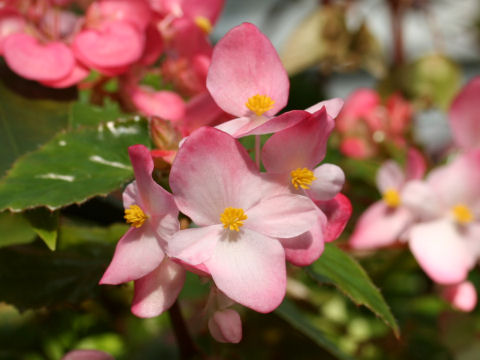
[302, 178]
[462, 214]
[391, 197]
[203, 23]
[135, 216]
[232, 218]
[260, 104]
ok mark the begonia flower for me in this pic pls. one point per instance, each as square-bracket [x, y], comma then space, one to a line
[445, 240]
[464, 118]
[87, 355]
[224, 323]
[240, 217]
[292, 156]
[462, 296]
[11, 22]
[139, 255]
[383, 223]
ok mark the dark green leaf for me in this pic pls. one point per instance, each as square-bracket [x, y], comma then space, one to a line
[290, 313]
[73, 167]
[45, 223]
[338, 268]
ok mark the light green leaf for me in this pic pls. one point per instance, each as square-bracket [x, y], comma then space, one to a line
[73, 167]
[290, 313]
[15, 229]
[341, 270]
[45, 223]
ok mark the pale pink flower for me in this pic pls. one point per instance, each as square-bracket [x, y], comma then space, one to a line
[445, 241]
[87, 355]
[384, 222]
[464, 117]
[11, 22]
[226, 326]
[139, 255]
[292, 156]
[240, 216]
[462, 296]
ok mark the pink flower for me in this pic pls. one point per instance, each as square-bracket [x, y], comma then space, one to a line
[226, 326]
[462, 296]
[292, 156]
[11, 22]
[464, 118]
[445, 242]
[240, 216]
[385, 221]
[139, 255]
[87, 355]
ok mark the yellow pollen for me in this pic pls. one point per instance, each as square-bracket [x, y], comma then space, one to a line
[232, 218]
[259, 104]
[391, 197]
[204, 24]
[462, 214]
[302, 178]
[135, 216]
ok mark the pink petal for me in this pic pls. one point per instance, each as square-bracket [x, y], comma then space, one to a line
[355, 147]
[360, 104]
[302, 145]
[440, 250]
[390, 176]
[464, 117]
[212, 171]
[244, 64]
[250, 269]
[87, 355]
[158, 290]
[333, 107]
[276, 124]
[416, 164]
[42, 62]
[164, 104]
[113, 45]
[136, 12]
[421, 200]
[210, 9]
[338, 211]
[329, 180]
[380, 226]
[235, 126]
[195, 246]
[78, 73]
[282, 216]
[462, 296]
[306, 248]
[188, 40]
[153, 46]
[137, 253]
[154, 199]
[11, 22]
[225, 326]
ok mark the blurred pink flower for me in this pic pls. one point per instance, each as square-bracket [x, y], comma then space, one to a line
[240, 216]
[87, 355]
[462, 296]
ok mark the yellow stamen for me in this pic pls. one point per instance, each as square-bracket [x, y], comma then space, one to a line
[259, 104]
[232, 218]
[302, 178]
[135, 216]
[462, 214]
[204, 24]
[392, 198]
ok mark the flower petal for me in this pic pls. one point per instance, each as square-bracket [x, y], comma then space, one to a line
[87, 355]
[137, 253]
[440, 249]
[416, 165]
[462, 296]
[329, 180]
[380, 226]
[250, 269]
[302, 145]
[282, 216]
[225, 326]
[158, 290]
[211, 172]
[421, 200]
[463, 116]
[244, 64]
[390, 176]
[338, 211]
[195, 246]
[333, 107]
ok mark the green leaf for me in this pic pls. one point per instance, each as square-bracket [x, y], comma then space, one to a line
[290, 313]
[27, 123]
[45, 223]
[73, 167]
[85, 114]
[15, 229]
[338, 268]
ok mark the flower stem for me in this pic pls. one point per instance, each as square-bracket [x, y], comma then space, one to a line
[257, 150]
[186, 346]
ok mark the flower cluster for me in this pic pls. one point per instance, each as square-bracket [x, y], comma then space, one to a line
[437, 216]
[248, 223]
